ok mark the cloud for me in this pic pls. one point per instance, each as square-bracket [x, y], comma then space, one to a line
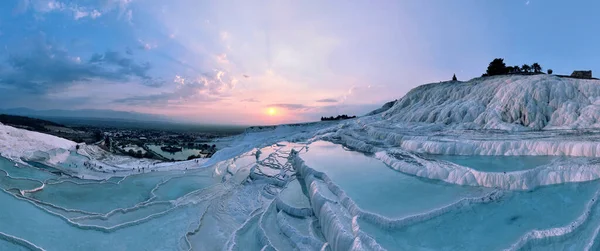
[327, 100]
[121, 5]
[47, 6]
[216, 83]
[120, 67]
[79, 13]
[205, 88]
[349, 93]
[47, 68]
[95, 14]
[251, 100]
[224, 35]
[39, 6]
[146, 46]
[222, 58]
[294, 107]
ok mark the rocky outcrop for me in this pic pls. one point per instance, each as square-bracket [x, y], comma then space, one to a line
[582, 74]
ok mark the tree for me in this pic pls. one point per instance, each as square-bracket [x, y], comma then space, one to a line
[98, 135]
[454, 78]
[549, 71]
[537, 68]
[526, 68]
[510, 69]
[497, 67]
[516, 69]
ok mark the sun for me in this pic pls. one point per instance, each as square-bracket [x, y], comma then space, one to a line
[271, 111]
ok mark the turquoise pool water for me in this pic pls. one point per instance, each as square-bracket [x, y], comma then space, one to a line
[499, 163]
[493, 225]
[379, 189]
[250, 202]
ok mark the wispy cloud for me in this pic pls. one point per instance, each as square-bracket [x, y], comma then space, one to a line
[42, 7]
[295, 107]
[79, 13]
[327, 100]
[250, 100]
[166, 98]
[144, 45]
[205, 88]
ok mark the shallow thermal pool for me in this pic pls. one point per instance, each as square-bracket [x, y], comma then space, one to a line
[499, 163]
[379, 189]
[319, 196]
[180, 155]
[495, 224]
[123, 213]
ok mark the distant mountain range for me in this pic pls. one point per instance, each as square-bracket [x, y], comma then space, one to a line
[86, 113]
[119, 119]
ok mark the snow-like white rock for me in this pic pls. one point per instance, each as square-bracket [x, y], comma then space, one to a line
[551, 174]
[19, 143]
[512, 102]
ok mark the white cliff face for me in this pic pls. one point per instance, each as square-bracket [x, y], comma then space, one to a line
[18, 143]
[504, 102]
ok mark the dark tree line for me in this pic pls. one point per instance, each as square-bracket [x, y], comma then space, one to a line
[498, 67]
[338, 117]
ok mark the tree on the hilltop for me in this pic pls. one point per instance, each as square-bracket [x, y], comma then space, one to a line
[516, 69]
[454, 78]
[526, 68]
[549, 71]
[510, 69]
[497, 67]
[537, 68]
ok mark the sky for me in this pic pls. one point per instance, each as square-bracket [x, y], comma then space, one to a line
[271, 62]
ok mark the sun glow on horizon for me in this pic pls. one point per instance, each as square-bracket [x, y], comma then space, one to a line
[271, 111]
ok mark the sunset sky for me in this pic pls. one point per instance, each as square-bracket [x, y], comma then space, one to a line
[268, 62]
